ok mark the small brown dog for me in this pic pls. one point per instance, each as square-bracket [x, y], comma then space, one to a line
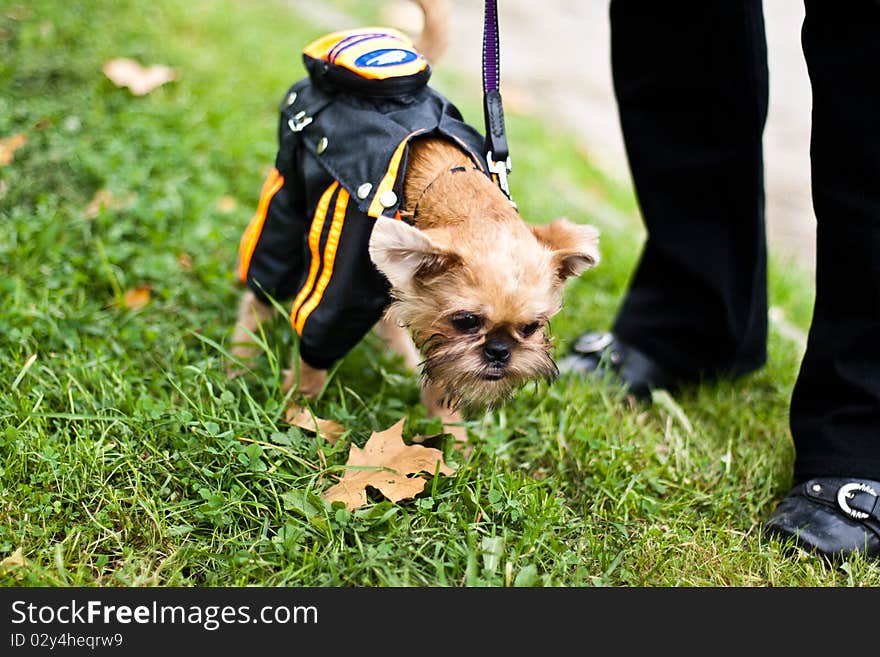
[469, 286]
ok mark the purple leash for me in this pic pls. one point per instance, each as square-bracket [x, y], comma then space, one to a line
[497, 153]
[491, 49]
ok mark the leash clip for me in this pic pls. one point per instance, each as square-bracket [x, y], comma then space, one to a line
[501, 169]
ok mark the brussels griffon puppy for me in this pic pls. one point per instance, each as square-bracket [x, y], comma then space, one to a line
[381, 212]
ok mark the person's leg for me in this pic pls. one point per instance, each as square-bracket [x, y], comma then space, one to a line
[835, 415]
[835, 409]
[691, 84]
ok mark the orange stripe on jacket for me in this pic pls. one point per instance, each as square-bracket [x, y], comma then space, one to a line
[274, 182]
[314, 249]
[390, 177]
[329, 258]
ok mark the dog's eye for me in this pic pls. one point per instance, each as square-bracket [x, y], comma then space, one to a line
[466, 322]
[528, 329]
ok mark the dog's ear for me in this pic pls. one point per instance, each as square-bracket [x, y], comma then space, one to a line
[405, 254]
[575, 247]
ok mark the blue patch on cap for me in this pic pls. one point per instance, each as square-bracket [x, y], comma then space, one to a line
[385, 57]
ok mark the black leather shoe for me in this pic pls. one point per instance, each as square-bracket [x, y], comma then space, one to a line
[833, 516]
[598, 352]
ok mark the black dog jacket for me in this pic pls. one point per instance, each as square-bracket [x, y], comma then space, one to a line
[343, 137]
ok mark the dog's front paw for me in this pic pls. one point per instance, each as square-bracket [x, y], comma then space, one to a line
[309, 381]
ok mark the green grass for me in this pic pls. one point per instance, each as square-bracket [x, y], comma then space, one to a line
[126, 456]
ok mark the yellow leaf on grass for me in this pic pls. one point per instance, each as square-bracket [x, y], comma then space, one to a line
[9, 145]
[137, 297]
[141, 80]
[329, 430]
[384, 463]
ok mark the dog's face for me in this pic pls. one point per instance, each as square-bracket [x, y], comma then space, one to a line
[478, 302]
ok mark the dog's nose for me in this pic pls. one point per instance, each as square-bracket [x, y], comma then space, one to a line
[497, 351]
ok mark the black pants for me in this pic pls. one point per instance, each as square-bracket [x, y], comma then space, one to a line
[692, 86]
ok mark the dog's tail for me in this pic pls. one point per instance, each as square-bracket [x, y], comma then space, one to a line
[434, 39]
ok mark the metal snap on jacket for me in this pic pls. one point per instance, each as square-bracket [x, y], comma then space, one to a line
[388, 198]
[300, 121]
[322, 145]
[291, 99]
[364, 190]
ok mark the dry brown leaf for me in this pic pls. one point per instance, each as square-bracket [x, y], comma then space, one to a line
[124, 72]
[100, 201]
[329, 430]
[104, 200]
[185, 261]
[391, 460]
[137, 297]
[226, 204]
[9, 145]
[16, 559]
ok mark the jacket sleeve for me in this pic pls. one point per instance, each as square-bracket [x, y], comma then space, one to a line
[270, 251]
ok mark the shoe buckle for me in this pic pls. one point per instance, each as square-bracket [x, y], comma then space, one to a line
[847, 492]
[593, 343]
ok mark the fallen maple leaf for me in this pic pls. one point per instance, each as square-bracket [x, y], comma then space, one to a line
[137, 297]
[391, 460]
[9, 145]
[329, 430]
[140, 80]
